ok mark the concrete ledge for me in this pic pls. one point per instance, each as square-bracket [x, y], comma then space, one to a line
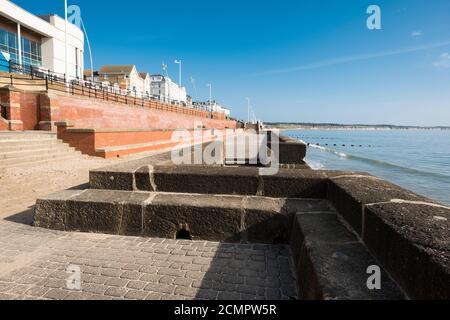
[350, 193]
[122, 176]
[412, 241]
[207, 180]
[212, 180]
[295, 184]
[292, 152]
[206, 217]
[332, 264]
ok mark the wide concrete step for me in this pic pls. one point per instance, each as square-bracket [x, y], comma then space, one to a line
[57, 155]
[68, 156]
[332, 264]
[164, 215]
[44, 150]
[284, 183]
[35, 145]
[27, 142]
[25, 136]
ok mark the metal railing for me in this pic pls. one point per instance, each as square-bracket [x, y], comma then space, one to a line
[76, 86]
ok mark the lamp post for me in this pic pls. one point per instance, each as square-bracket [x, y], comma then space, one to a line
[210, 98]
[66, 45]
[179, 62]
[164, 66]
[248, 109]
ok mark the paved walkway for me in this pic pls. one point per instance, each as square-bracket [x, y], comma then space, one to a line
[33, 264]
[33, 261]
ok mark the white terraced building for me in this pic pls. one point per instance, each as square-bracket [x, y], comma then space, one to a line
[165, 89]
[31, 40]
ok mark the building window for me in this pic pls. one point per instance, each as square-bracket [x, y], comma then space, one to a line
[31, 50]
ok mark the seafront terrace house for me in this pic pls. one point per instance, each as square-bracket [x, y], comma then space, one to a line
[164, 89]
[123, 77]
[146, 82]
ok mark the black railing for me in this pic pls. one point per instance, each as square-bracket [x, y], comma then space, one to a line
[77, 86]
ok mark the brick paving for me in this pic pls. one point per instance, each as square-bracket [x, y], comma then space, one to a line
[33, 264]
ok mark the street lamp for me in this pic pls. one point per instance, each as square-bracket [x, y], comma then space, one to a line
[164, 67]
[210, 97]
[179, 62]
[248, 108]
[66, 45]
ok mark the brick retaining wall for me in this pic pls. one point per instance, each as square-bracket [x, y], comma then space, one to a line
[95, 113]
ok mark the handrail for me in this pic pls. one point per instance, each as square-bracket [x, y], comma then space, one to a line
[76, 86]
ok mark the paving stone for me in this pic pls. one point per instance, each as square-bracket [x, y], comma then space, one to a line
[116, 292]
[184, 291]
[56, 294]
[136, 295]
[150, 278]
[95, 288]
[154, 296]
[131, 275]
[116, 282]
[137, 285]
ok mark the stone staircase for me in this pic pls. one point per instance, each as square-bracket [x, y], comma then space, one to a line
[25, 148]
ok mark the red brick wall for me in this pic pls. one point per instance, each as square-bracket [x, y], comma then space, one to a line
[29, 110]
[3, 125]
[95, 113]
[112, 139]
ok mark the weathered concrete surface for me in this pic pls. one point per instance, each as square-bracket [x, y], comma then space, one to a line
[293, 183]
[207, 180]
[121, 176]
[412, 241]
[33, 263]
[292, 152]
[332, 264]
[206, 217]
[350, 193]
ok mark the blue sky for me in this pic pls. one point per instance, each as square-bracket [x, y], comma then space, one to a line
[298, 60]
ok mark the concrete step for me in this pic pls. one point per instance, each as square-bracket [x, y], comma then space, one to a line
[38, 144]
[211, 180]
[332, 264]
[26, 142]
[56, 149]
[38, 158]
[205, 217]
[68, 156]
[26, 135]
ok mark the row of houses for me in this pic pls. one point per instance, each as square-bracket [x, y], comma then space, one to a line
[128, 78]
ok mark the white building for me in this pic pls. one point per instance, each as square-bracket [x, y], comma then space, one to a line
[30, 40]
[163, 88]
[212, 106]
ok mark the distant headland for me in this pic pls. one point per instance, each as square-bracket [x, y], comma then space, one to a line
[338, 126]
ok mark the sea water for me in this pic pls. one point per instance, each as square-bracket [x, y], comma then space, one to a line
[418, 160]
